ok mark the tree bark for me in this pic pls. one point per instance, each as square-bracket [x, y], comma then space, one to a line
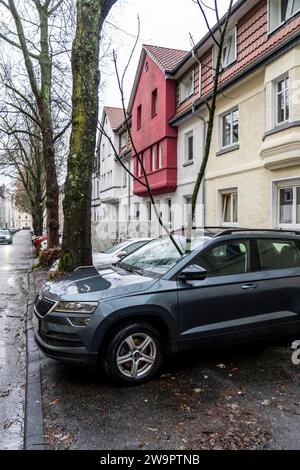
[44, 105]
[76, 247]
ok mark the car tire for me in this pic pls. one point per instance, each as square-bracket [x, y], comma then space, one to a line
[129, 340]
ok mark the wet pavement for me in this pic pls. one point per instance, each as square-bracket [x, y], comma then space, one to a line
[15, 262]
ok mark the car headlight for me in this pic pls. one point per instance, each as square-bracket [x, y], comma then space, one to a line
[7, 237]
[76, 307]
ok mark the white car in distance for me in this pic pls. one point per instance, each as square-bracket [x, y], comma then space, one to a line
[112, 255]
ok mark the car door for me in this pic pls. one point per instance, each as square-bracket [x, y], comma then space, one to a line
[223, 306]
[278, 302]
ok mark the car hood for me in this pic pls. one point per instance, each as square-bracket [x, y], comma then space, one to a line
[92, 284]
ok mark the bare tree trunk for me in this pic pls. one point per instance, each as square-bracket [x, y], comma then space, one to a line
[76, 248]
[44, 105]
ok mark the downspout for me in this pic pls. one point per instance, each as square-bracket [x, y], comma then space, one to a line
[199, 116]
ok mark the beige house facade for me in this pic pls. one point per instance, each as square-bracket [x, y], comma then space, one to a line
[255, 181]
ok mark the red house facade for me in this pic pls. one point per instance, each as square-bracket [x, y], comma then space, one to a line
[152, 105]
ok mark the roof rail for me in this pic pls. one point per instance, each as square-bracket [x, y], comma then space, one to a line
[268, 230]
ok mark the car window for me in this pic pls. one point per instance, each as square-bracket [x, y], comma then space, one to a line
[278, 254]
[231, 257]
[114, 248]
[134, 246]
[159, 255]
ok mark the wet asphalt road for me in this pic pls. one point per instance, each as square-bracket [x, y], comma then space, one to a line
[15, 261]
[243, 397]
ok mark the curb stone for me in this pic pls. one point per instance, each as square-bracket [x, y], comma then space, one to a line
[34, 428]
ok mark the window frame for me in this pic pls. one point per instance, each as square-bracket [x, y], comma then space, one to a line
[159, 155]
[231, 33]
[187, 136]
[221, 129]
[278, 240]
[284, 77]
[154, 102]
[139, 117]
[281, 23]
[182, 83]
[249, 245]
[228, 192]
[289, 183]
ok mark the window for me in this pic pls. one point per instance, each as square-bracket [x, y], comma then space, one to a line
[229, 207]
[229, 52]
[139, 163]
[280, 11]
[125, 177]
[282, 100]
[137, 211]
[278, 254]
[230, 128]
[187, 202]
[133, 247]
[289, 205]
[123, 140]
[186, 87]
[160, 155]
[154, 158]
[154, 102]
[139, 117]
[189, 146]
[169, 211]
[232, 257]
[149, 210]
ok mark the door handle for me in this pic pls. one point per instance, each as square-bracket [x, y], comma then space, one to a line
[249, 286]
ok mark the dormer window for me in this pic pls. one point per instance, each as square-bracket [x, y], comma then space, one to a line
[229, 52]
[186, 87]
[280, 11]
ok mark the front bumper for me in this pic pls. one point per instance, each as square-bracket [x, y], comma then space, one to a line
[58, 340]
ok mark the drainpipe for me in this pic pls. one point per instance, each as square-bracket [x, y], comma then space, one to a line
[199, 116]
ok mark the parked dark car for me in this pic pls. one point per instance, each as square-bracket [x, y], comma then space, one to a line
[6, 236]
[235, 285]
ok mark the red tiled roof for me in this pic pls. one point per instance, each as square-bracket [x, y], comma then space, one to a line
[165, 57]
[115, 116]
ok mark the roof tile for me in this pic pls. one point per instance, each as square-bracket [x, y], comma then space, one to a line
[165, 57]
[115, 116]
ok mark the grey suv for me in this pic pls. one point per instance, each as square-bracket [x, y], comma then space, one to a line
[235, 285]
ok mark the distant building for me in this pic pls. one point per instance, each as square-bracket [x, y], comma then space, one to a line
[6, 208]
[22, 219]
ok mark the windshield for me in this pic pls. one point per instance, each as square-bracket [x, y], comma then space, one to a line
[159, 255]
[4, 232]
[115, 248]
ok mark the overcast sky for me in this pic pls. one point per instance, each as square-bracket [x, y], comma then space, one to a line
[162, 22]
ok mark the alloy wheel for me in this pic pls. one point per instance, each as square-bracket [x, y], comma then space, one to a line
[136, 355]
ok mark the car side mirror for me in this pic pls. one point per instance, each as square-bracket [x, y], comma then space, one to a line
[122, 254]
[193, 273]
